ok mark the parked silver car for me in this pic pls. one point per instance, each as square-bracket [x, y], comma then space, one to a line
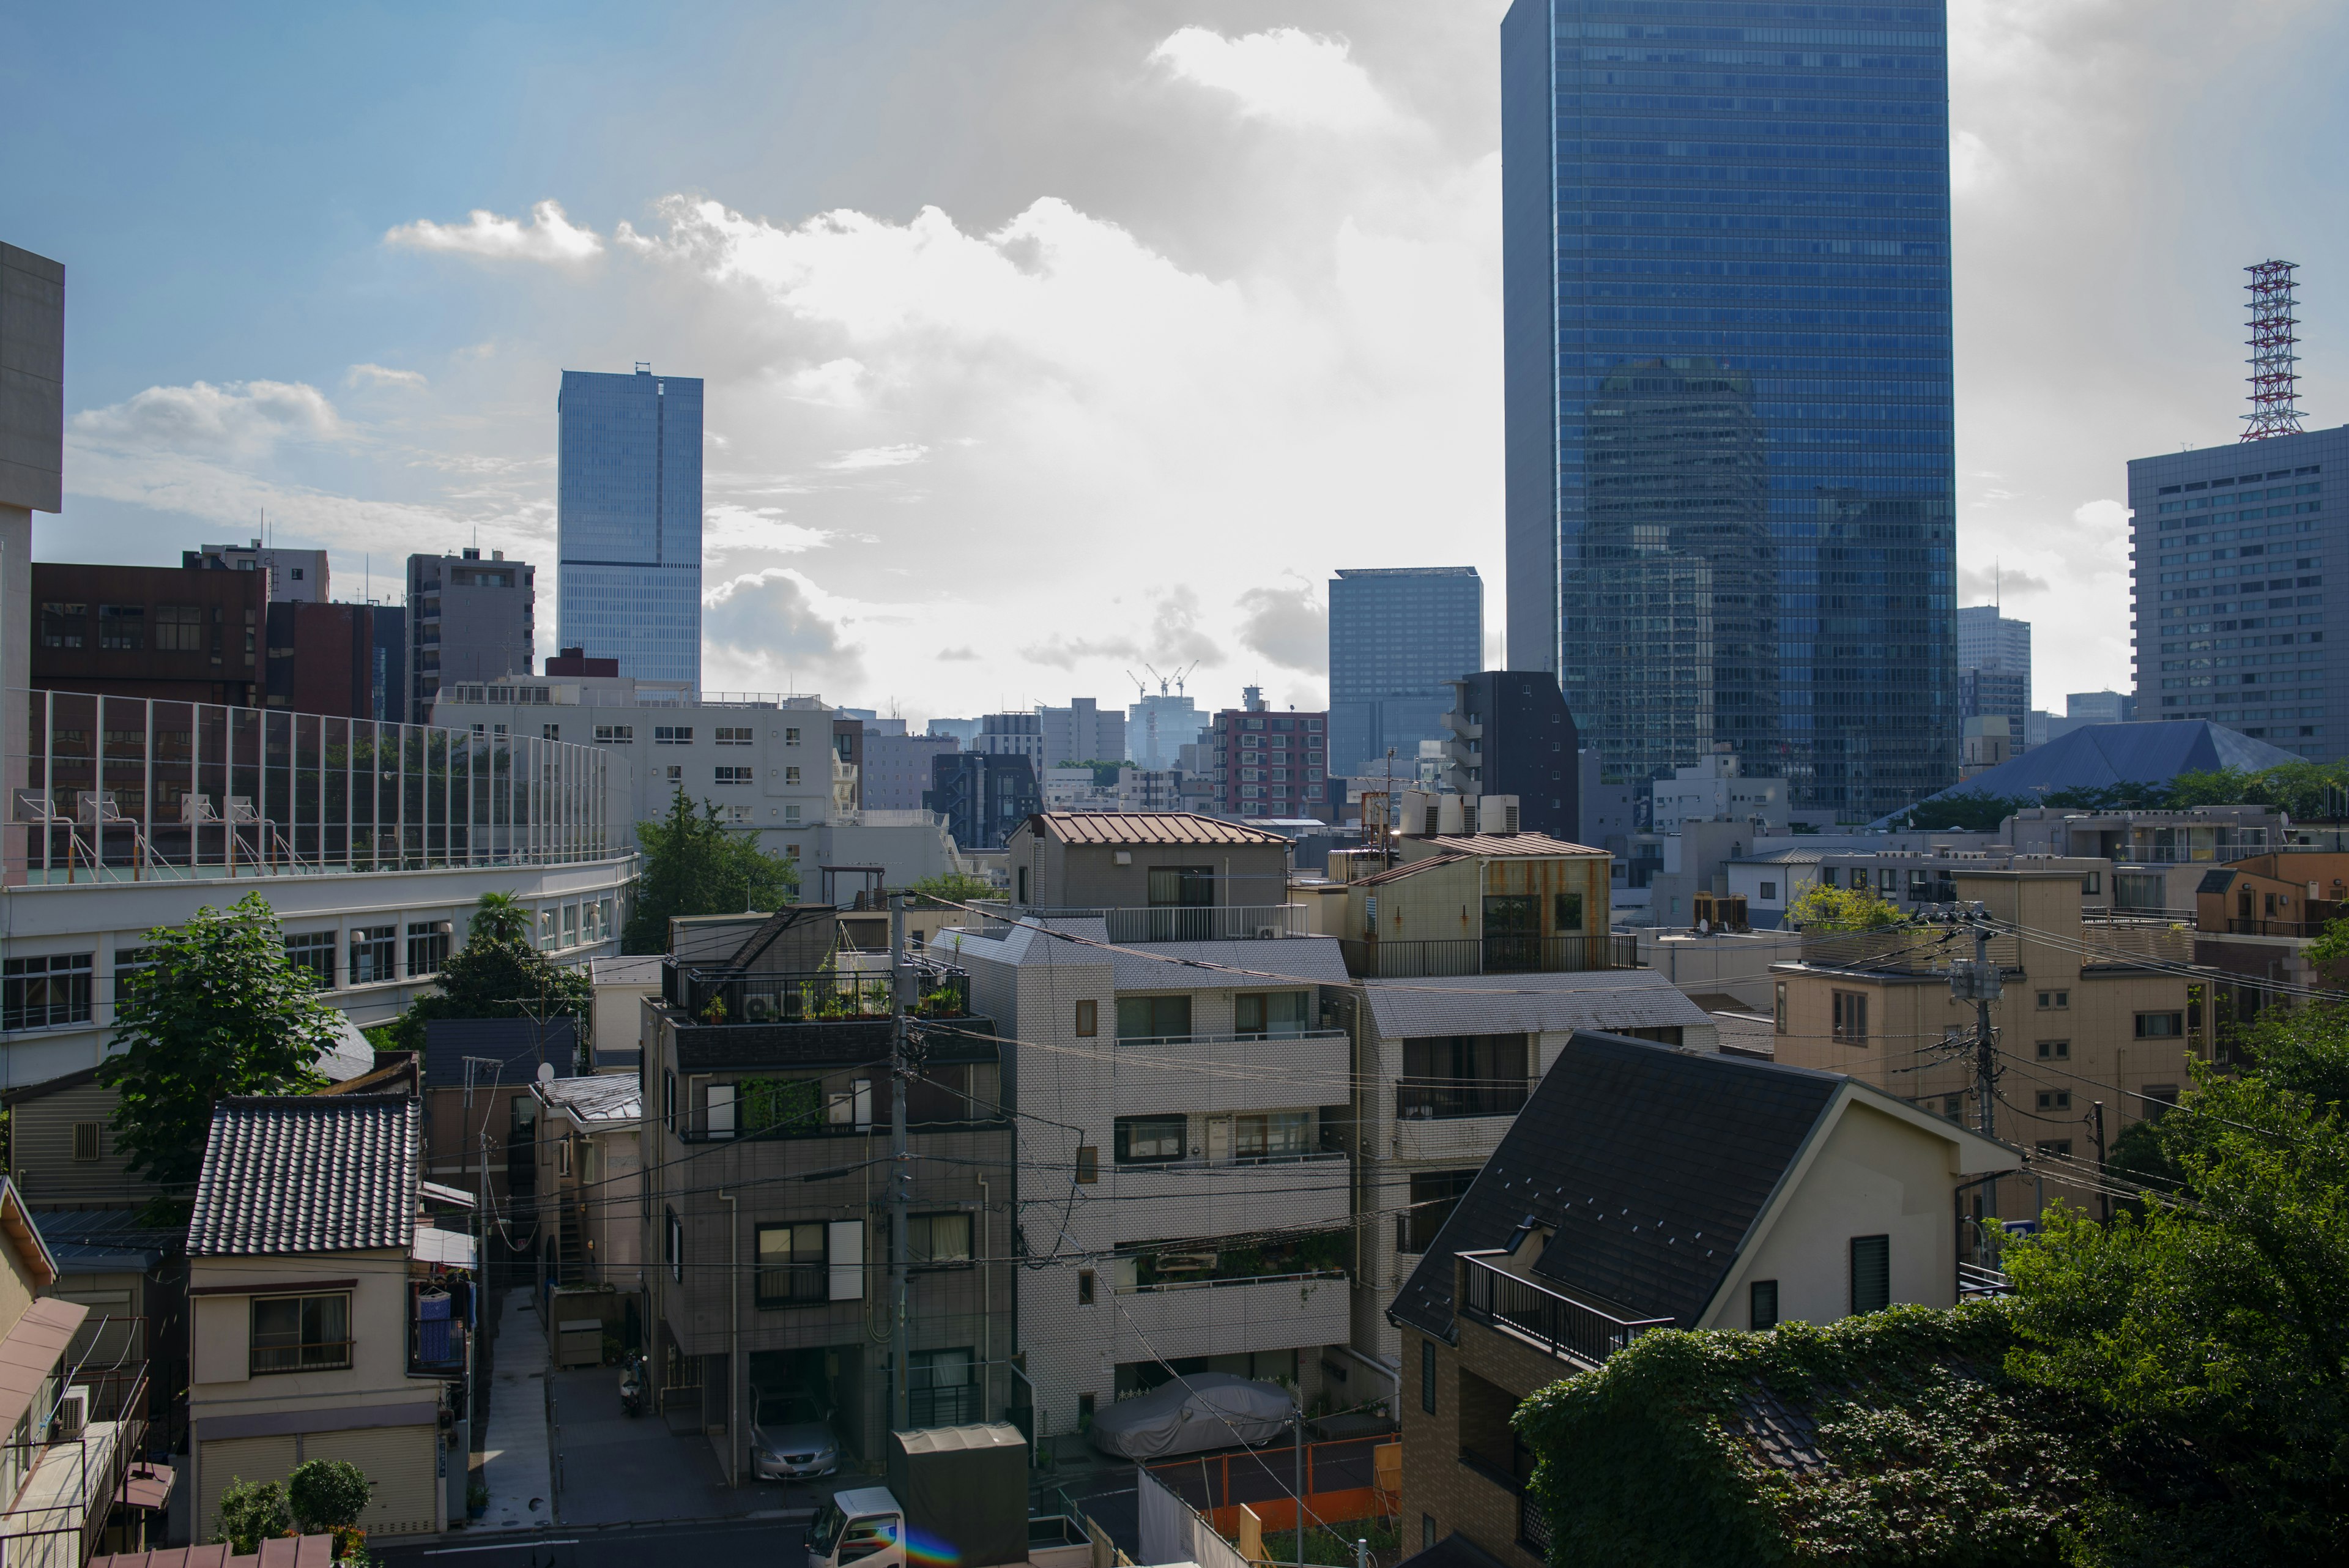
[792, 1438]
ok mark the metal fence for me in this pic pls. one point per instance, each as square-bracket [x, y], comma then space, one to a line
[119, 788]
[1376, 959]
[1563, 1326]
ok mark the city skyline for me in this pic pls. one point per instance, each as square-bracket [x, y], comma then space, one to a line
[1306, 202]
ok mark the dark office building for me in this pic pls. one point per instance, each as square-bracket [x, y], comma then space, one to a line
[1512, 734]
[1398, 635]
[1728, 391]
[166, 633]
[329, 658]
[468, 619]
[982, 796]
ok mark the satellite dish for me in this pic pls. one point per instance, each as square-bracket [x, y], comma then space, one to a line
[546, 1071]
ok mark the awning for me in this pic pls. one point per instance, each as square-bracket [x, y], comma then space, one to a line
[449, 1248]
[148, 1486]
[31, 1352]
[436, 1193]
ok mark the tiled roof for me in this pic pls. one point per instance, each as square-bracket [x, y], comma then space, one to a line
[1145, 827]
[307, 1174]
[1508, 844]
[1528, 1003]
[605, 1098]
[1648, 1164]
[518, 1042]
[1191, 966]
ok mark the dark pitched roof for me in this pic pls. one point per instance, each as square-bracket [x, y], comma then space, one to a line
[1454, 1551]
[1649, 1164]
[517, 1042]
[2215, 881]
[2097, 755]
[307, 1174]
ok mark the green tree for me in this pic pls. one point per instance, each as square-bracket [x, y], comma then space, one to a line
[326, 1494]
[217, 1010]
[954, 887]
[497, 974]
[1823, 909]
[251, 1513]
[1967, 811]
[695, 865]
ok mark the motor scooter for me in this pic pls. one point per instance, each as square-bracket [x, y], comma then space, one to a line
[632, 1385]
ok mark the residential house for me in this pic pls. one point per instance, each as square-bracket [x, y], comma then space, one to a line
[1483, 903]
[1645, 1187]
[481, 1119]
[2254, 920]
[767, 1084]
[622, 986]
[1168, 875]
[2092, 1011]
[330, 1317]
[591, 1182]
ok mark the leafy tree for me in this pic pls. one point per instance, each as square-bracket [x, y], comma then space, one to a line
[1968, 811]
[251, 1513]
[1823, 909]
[2214, 786]
[693, 866]
[328, 1494]
[497, 974]
[954, 887]
[218, 1010]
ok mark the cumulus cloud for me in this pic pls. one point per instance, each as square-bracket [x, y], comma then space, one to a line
[1284, 74]
[770, 621]
[233, 418]
[728, 528]
[549, 236]
[381, 376]
[1999, 583]
[836, 383]
[1067, 653]
[880, 456]
[956, 655]
[1286, 625]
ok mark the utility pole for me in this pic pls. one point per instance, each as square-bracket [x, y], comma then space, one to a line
[1978, 981]
[2104, 1192]
[901, 1177]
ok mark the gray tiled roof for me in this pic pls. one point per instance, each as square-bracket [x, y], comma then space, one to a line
[307, 1174]
[1649, 1165]
[605, 1098]
[1529, 1003]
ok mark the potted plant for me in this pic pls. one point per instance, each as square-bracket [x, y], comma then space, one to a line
[477, 1501]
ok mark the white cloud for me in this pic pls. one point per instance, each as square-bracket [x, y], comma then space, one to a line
[2000, 583]
[773, 626]
[836, 383]
[881, 456]
[1284, 74]
[241, 418]
[549, 236]
[1287, 626]
[728, 528]
[382, 375]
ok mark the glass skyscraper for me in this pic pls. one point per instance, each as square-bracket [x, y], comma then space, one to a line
[1730, 454]
[1398, 636]
[628, 521]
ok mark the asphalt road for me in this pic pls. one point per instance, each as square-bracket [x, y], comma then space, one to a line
[767, 1542]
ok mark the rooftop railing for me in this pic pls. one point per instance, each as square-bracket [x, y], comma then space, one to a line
[1164, 922]
[1567, 1328]
[127, 789]
[720, 996]
[1380, 958]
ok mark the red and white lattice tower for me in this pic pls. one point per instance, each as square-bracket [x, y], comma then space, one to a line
[2274, 383]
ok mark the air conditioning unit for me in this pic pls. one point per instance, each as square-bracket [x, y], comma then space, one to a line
[73, 1413]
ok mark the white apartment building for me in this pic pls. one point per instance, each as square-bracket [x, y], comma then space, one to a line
[1082, 732]
[1715, 790]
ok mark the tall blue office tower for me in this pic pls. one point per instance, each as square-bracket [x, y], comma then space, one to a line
[1730, 473]
[628, 521]
[1398, 636]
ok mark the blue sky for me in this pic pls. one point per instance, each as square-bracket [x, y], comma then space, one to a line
[1041, 338]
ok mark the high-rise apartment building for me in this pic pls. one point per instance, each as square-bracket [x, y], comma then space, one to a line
[628, 521]
[1082, 732]
[1268, 764]
[1509, 733]
[1994, 667]
[2231, 615]
[1398, 636]
[1727, 366]
[468, 619]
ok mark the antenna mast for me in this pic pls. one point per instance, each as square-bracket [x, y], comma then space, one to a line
[2275, 385]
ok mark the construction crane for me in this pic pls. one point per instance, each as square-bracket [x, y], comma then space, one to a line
[1164, 681]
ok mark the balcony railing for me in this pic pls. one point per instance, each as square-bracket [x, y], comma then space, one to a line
[1564, 1327]
[2241, 926]
[1163, 1287]
[1444, 1100]
[1171, 1042]
[1376, 958]
[71, 1483]
[1166, 922]
[720, 996]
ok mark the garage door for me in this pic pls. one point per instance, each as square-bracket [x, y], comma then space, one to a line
[398, 1460]
[227, 1460]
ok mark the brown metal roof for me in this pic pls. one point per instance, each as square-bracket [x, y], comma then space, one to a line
[1396, 873]
[1509, 844]
[31, 1352]
[1145, 827]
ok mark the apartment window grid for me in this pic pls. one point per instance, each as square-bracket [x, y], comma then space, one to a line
[43, 992]
[314, 951]
[427, 947]
[374, 951]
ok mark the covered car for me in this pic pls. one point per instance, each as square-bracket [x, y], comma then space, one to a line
[1203, 1410]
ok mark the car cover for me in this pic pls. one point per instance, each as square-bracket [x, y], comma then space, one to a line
[1203, 1410]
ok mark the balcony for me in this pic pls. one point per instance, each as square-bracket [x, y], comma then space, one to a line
[717, 997]
[1566, 1328]
[1219, 1317]
[1218, 1073]
[1448, 1099]
[73, 1475]
[1377, 959]
[1239, 1196]
[1164, 922]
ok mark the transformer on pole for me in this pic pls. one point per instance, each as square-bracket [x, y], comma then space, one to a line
[2275, 385]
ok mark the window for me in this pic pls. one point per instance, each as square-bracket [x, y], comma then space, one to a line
[374, 950]
[736, 775]
[128, 962]
[550, 731]
[2054, 1050]
[938, 1241]
[1182, 887]
[1272, 1012]
[673, 773]
[1568, 912]
[794, 1265]
[790, 737]
[1762, 1304]
[547, 939]
[314, 951]
[1088, 1165]
[1084, 1287]
[1828, 876]
[791, 775]
[85, 1140]
[672, 734]
[2059, 1148]
[1427, 1398]
[427, 947]
[1851, 1017]
[734, 736]
[62, 624]
[1769, 892]
[2093, 882]
[300, 1334]
[2160, 1025]
[122, 627]
[179, 629]
[1871, 1273]
[1087, 1018]
[1272, 1134]
[1778, 1009]
[1462, 1076]
[1434, 1195]
[2054, 1099]
[2156, 1099]
[2051, 1000]
[616, 735]
[570, 925]
[1149, 1140]
[37, 993]
[1154, 1017]
[941, 1389]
